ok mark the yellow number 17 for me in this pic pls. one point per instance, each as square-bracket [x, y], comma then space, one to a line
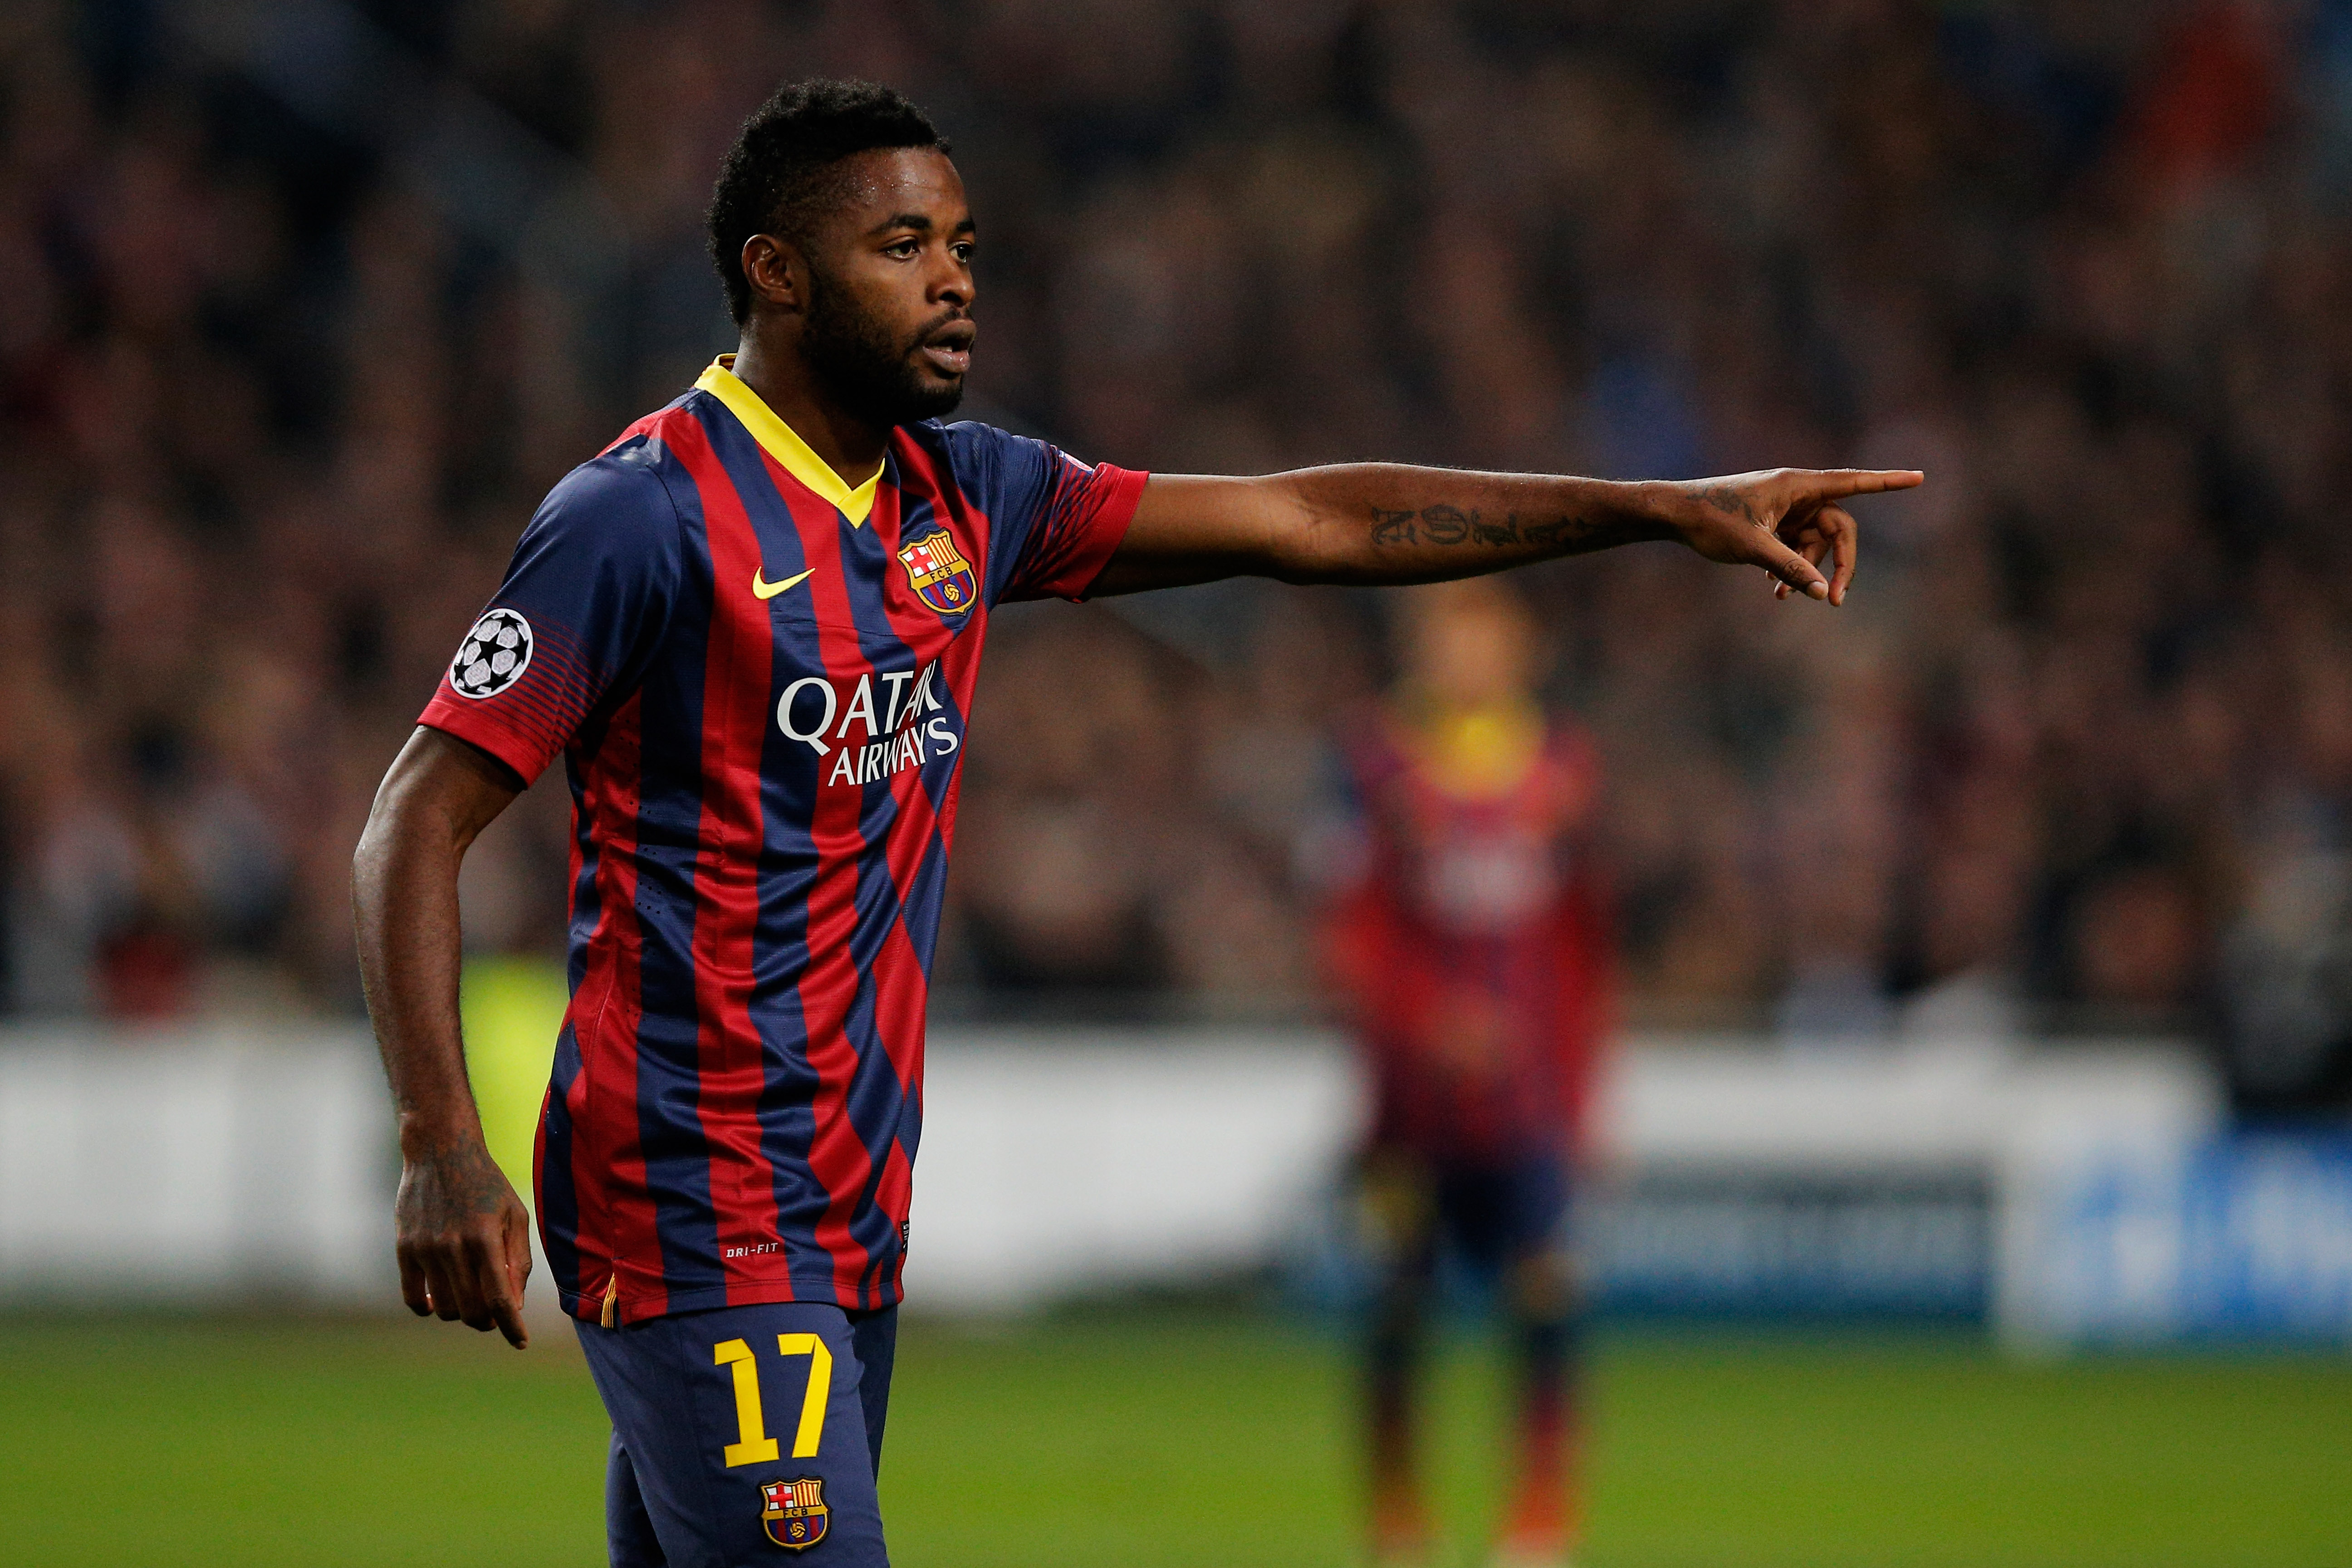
[754, 1445]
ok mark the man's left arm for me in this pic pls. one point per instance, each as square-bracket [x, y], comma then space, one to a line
[1389, 524]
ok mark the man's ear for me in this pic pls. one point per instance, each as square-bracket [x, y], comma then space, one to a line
[777, 272]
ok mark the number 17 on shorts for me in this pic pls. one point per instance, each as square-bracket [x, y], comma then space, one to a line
[743, 1430]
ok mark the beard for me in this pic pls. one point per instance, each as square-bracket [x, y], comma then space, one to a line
[874, 376]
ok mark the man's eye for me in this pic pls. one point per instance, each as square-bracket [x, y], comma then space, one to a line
[903, 249]
[963, 252]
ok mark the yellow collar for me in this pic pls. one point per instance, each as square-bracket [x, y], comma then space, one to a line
[1479, 753]
[780, 441]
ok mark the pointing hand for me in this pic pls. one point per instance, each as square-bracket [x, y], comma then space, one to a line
[1786, 520]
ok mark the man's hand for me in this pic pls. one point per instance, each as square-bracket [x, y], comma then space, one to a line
[463, 1239]
[1786, 520]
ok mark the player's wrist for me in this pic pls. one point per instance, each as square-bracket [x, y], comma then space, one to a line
[1667, 508]
[441, 1138]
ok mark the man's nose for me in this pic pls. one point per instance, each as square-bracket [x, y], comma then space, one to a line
[952, 284]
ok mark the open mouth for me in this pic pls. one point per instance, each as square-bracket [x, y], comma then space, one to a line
[950, 348]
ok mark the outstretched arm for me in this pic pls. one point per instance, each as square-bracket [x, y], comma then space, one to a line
[1384, 522]
[462, 1236]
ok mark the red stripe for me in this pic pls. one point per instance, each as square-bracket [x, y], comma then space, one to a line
[738, 669]
[892, 1196]
[643, 426]
[608, 1166]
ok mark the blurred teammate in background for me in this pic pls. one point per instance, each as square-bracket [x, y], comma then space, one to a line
[1472, 952]
[763, 769]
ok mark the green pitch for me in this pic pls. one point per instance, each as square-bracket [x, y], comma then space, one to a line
[1138, 1441]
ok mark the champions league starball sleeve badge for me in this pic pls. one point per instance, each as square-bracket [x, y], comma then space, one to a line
[493, 656]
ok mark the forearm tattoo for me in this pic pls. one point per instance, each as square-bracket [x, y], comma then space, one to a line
[1450, 525]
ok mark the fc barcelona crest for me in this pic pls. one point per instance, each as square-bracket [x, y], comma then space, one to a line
[794, 1512]
[939, 574]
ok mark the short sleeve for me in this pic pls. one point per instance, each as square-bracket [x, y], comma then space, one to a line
[1054, 521]
[585, 600]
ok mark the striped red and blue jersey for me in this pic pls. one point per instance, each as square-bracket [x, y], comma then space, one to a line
[758, 677]
[1472, 946]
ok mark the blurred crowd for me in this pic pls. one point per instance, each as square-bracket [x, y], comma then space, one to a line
[2079, 754]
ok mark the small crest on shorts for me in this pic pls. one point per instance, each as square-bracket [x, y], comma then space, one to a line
[939, 574]
[794, 1512]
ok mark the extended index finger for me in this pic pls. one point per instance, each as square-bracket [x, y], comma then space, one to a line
[501, 1296]
[1831, 484]
[506, 1313]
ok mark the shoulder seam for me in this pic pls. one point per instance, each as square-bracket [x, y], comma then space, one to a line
[676, 521]
[678, 543]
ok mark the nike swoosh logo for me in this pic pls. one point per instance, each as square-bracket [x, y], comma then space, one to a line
[767, 590]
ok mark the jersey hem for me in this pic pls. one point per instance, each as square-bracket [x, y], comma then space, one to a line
[589, 1306]
[490, 736]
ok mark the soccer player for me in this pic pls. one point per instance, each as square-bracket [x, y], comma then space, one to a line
[1471, 949]
[750, 625]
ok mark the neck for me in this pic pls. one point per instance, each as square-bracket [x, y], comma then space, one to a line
[850, 446]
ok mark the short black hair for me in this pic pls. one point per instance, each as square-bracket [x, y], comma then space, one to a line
[774, 180]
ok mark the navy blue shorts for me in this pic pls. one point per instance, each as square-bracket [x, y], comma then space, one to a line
[1491, 1215]
[743, 1430]
[1499, 1216]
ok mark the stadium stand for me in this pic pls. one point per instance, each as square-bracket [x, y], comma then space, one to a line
[283, 369]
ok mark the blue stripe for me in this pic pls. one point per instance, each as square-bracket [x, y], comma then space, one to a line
[669, 825]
